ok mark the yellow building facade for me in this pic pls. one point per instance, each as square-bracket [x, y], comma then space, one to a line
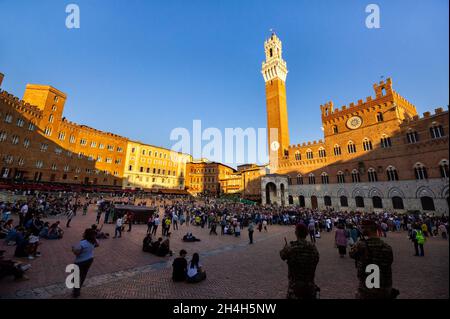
[152, 167]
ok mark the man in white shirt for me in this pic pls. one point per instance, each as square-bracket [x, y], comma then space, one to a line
[119, 224]
[23, 214]
[155, 225]
[328, 224]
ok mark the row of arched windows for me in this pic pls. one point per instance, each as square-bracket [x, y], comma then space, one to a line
[420, 172]
[377, 202]
[385, 142]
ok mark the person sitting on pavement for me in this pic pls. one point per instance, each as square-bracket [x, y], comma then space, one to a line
[26, 244]
[55, 231]
[190, 238]
[147, 243]
[12, 268]
[180, 267]
[10, 238]
[164, 248]
[155, 246]
[195, 272]
[99, 233]
[44, 233]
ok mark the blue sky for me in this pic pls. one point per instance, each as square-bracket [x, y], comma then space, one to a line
[142, 68]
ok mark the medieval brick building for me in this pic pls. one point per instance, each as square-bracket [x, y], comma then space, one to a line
[376, 154]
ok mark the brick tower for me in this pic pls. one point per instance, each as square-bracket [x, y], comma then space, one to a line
[274, 71]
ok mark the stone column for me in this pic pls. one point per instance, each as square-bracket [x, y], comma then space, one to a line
[368, 204]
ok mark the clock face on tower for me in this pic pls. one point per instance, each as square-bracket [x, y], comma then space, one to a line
[275, 146]
[354, 122]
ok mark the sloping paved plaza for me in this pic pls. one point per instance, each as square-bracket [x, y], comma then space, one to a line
[234, 268]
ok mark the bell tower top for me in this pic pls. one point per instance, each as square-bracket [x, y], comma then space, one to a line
[274, 66]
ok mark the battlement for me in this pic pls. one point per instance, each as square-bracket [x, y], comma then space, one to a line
[307, 144]
[426, 115]
[384, 94]
[410, 108]
[89, 129]
[327, 109]
[20, 105]
[383, 88]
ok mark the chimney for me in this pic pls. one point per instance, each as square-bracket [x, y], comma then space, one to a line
[1, 78]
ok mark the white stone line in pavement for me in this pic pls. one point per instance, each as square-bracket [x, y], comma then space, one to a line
[60, 289]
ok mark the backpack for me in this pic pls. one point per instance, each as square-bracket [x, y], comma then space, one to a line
[420, 237]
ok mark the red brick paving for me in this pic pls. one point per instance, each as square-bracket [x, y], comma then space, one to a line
[242, 271]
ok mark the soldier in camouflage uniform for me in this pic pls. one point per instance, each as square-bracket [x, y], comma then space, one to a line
[373, 251]
[302, 258]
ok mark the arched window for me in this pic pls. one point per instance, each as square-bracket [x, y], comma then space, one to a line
[385, 141]
[355, 176]
[397, 203]
[420, 171]
[436, 131]
[289, 180]
[372, 174]
[359, 200]
[48, 131]
[427, 203]
[367, 145]
[312, 178]
[392, 174]
[335, 129]
[299, 180]
[377, 202]
[327, 201]
[412, 137]
[322, 152]
[291, 200]
[380, 117]
[337, 150]
[301, 201]
[309, 154]
[325, 178]
[340, 177]
[443, 167]
[351, 147]
[298, 156]
[344, 201]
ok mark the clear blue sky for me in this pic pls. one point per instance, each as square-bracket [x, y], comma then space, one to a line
[142, 68]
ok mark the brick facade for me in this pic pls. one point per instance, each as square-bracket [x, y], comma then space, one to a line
[38, 144]
[372, 151]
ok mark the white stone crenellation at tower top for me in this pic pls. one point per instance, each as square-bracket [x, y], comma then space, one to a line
[274, 66]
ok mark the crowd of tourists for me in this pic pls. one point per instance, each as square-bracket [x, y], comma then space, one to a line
[23, 225]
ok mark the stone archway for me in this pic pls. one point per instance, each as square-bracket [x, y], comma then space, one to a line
[271, 193]
[301, 201]
[290, 200]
